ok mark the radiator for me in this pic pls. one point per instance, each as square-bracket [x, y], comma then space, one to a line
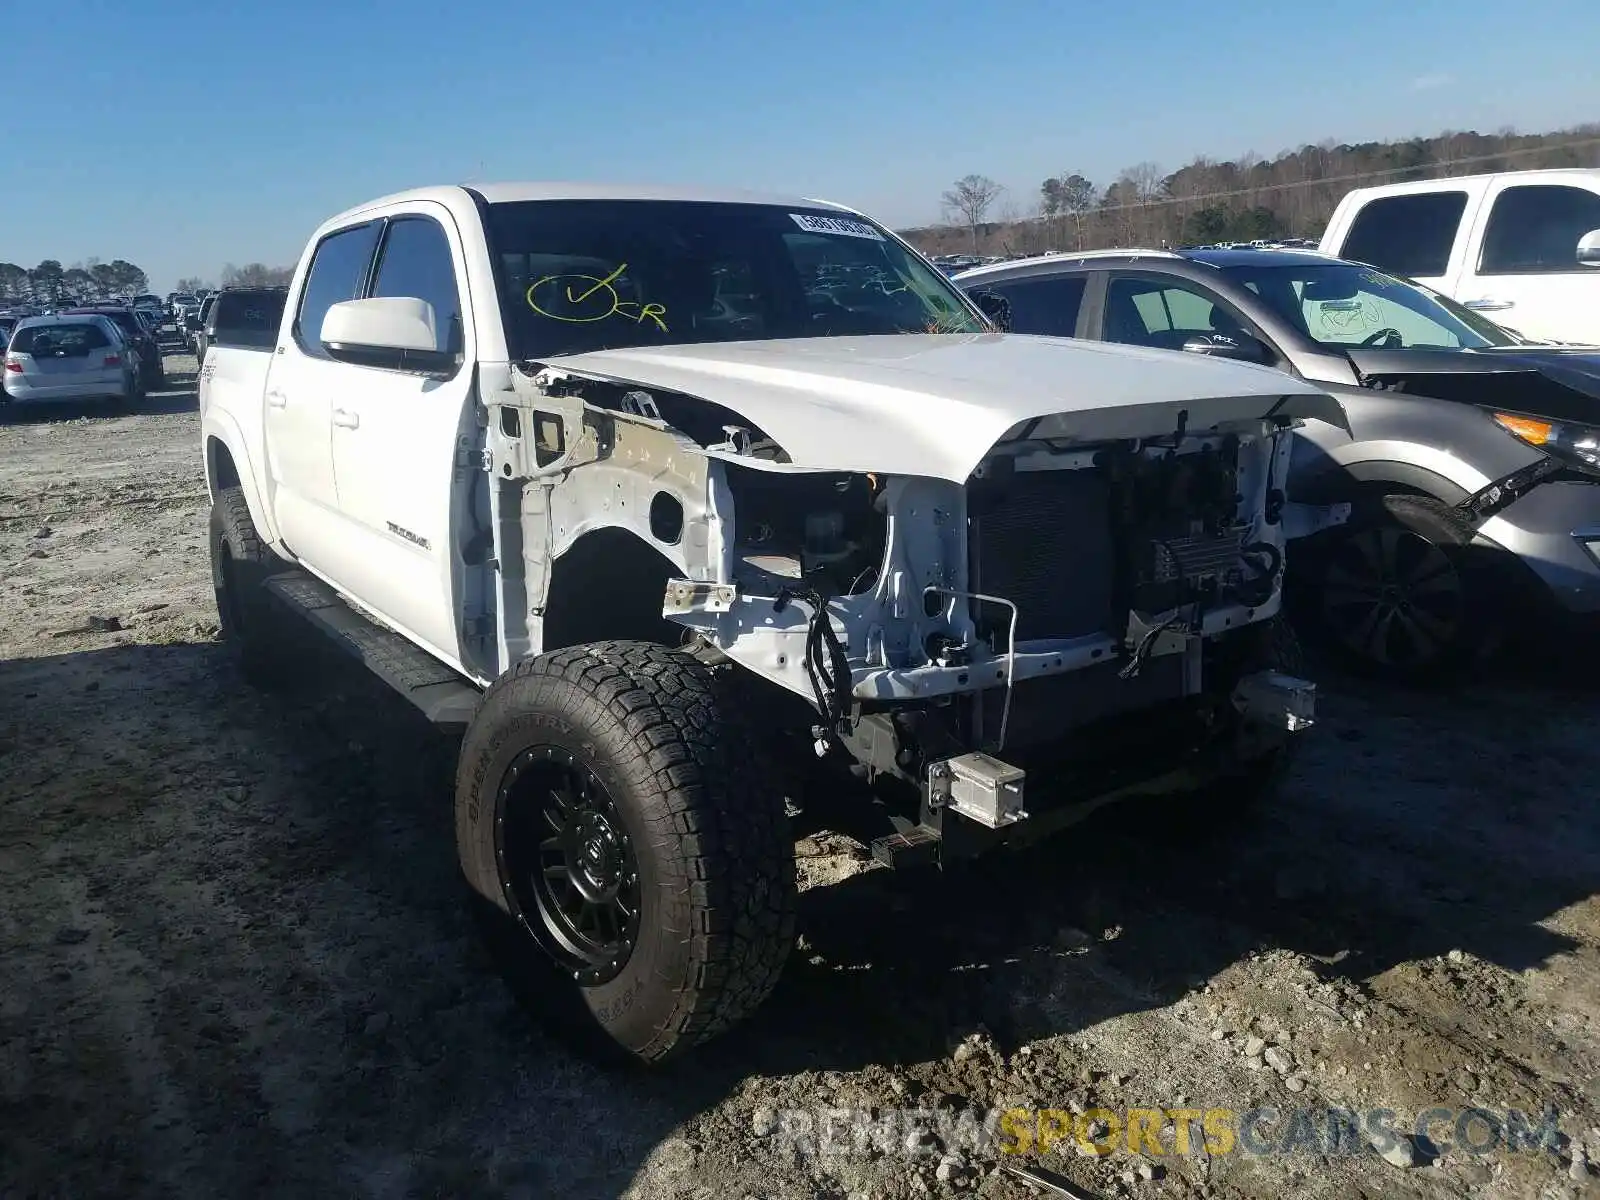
[1042, 539]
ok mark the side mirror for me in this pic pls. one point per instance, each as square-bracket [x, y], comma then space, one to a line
[1239, 347]
[1589, 249]
[994, 306]
[384, 331]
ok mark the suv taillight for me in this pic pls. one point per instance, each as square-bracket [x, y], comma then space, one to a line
[14, 364]
[113, 360]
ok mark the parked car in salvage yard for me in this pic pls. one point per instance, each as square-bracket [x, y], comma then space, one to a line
[610, 482]
[152, 368]
[69, 358]
[1471, 456]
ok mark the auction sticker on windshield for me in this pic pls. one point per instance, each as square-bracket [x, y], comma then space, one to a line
[812, 223]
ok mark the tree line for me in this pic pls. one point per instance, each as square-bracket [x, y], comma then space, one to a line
[250, 275]
[93, 280]
[1207, 201]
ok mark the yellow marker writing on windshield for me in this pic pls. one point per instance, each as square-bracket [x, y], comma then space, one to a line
[597, 300]
[602, 283]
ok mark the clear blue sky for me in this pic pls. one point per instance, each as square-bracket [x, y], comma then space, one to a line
[183, 135]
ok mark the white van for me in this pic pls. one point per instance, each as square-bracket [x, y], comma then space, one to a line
[1522, 247]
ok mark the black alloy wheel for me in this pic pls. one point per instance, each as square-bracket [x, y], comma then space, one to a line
[570, 861]
[1394, 599]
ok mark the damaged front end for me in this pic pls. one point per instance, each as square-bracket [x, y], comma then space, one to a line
[1077, 622]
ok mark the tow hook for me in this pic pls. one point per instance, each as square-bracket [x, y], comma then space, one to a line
[1277, 701]
[979, 787]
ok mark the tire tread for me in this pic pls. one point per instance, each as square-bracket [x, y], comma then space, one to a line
[711, 810]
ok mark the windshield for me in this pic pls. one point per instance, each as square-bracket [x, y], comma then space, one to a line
[581, 275]
[1346, 305]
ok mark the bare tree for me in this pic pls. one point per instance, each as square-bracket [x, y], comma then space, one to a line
[970, 199]
[255, 275]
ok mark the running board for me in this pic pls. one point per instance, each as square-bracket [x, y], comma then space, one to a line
[443, 696]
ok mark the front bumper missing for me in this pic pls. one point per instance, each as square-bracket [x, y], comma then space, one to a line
[989, 792]
[772, 642]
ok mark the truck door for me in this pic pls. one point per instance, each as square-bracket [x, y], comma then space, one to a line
[302, 383]
[395, 435]
[1525, 271]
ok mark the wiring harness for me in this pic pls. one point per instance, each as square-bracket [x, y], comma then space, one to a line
[827, 667]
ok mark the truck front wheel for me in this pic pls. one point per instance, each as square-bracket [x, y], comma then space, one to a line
[633, 861]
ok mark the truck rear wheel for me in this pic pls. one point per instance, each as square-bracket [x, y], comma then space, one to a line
[253, 627]
[633, 860]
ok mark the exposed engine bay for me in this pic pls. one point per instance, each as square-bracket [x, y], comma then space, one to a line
[821, 530]
[925, 623]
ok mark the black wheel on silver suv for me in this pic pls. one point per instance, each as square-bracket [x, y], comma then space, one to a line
[631, 860]
[1401, 592]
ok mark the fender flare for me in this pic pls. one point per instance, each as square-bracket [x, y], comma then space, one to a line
[221, 427]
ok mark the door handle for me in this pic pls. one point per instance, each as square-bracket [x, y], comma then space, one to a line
[276, 399]
[345, 419]
[1488, 305]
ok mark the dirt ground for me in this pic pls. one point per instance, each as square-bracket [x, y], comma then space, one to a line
[234, 957]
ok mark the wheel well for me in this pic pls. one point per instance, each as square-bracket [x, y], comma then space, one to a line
[609, 585]
[1365, 479]
[224, 474]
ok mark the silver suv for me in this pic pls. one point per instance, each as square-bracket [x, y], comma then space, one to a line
[1472, 457]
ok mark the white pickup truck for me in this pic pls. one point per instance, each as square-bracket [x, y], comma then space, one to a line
[1521, 247]
[681, 504]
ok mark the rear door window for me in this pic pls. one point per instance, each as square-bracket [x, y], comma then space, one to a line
[249, 318]
[1407, 235]
[1165, 313]
[1048, 306]
[1534, 229]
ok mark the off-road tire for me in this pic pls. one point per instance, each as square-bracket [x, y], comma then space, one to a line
[255, 630]
[1477, 579]
[663, 734]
